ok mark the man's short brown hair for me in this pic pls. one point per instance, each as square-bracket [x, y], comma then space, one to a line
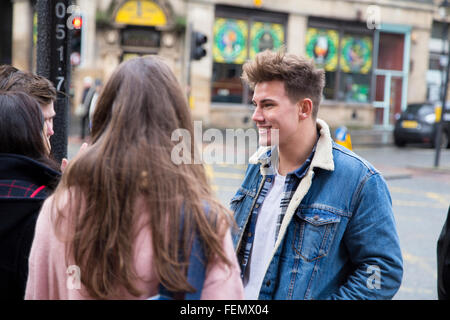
[6, 71]
[36, 86]
[300, 76]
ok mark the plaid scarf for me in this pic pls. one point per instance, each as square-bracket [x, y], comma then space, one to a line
[21, 189]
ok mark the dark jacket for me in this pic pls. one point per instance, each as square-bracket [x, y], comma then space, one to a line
[24, 185]
[443, 261]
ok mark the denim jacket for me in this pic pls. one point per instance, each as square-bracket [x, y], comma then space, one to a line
[338, 238]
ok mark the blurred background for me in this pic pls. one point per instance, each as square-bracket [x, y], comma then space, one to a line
[379, 55]
[385, 63]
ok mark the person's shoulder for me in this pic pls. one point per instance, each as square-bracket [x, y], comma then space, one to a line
[252, 173]
[45, 214]
[54, 205]
[251, 167]
[350, 161]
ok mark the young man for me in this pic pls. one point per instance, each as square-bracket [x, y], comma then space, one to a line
[38, 87]
[315, 220]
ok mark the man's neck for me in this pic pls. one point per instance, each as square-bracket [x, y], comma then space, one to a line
[293, 154]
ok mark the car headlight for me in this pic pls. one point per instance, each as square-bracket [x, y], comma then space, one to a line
[430, 118]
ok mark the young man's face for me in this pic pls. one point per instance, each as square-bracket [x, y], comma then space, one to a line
[49, 113]
[275, 115]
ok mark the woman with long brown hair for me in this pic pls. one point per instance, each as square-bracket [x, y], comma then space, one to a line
[124, 215]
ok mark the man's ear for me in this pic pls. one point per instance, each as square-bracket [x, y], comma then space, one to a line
[305, 108]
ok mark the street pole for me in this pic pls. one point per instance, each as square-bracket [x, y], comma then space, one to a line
[187, 61]
[53, 63]
[443, 108]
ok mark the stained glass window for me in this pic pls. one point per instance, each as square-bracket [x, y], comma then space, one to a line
[265, 36]
[322, 46]
[345, 53]
[235, 40]
[230, 40]
[356, 54]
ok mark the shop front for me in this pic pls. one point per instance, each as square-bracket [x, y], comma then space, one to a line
[366, 72]
[390, 78]
[142, 24]
[372, 70]
[238, 35]
[364, 67]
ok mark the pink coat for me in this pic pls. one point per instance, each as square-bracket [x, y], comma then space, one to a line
[52, 277]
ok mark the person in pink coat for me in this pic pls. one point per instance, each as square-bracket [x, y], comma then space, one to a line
[124, 210]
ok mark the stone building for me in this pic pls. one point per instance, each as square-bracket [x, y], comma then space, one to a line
[376, 53]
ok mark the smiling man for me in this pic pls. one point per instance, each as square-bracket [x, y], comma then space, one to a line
[315, 220]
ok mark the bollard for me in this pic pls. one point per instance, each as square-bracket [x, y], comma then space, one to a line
[342, 137]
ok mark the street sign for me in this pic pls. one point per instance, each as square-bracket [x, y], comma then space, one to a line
[53, 62]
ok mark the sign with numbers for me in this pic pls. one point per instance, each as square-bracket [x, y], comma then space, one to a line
[53, 62]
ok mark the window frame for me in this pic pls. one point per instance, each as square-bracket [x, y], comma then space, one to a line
[250, 16]
[345, 27]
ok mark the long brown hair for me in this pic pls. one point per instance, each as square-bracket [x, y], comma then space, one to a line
[130, 159]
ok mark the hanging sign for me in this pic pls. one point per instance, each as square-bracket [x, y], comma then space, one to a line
[230, 41]
[141, 13]
[321, 46]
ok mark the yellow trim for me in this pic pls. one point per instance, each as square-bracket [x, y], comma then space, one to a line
[141, 13]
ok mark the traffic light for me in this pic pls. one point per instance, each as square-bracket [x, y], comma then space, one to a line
[75, 40]
[198, 39]
[77, 23]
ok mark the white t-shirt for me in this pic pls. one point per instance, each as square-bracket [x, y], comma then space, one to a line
[264, 241]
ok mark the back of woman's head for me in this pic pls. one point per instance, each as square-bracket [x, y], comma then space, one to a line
[141, 97]
[139, 108]
[130, 158]
[22, 126]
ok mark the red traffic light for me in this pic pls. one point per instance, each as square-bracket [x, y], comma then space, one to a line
[77, 22]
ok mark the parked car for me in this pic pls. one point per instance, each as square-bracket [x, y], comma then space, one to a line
[417, 124]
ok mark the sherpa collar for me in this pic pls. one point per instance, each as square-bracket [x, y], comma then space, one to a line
[323, 157]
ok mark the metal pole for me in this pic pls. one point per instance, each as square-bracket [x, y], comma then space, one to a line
[187, 57]
[53, 62]
[443, 109]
